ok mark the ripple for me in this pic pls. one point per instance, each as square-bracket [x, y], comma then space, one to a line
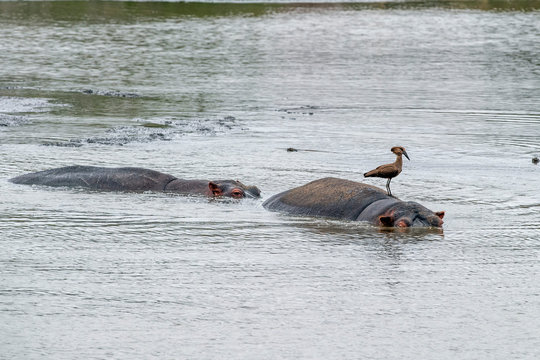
[157, 130]
[12, 120]
[11, 105]
[111, 93]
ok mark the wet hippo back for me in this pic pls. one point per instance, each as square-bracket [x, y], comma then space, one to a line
[328, 197]
[99, 178]
[135, 179]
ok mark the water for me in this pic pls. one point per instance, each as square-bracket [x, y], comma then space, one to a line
[221, 91]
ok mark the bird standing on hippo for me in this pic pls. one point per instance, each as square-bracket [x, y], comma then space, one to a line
[350, 200]
[389, 171]
[134, 179]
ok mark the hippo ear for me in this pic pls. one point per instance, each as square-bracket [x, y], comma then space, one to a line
[215, 189]
[254, 190]
[386, 220]
[440, 214]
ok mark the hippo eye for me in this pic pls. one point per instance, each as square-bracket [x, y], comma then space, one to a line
[237, 193]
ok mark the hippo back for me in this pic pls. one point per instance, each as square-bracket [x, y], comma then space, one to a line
[99, 178]
[328, 197]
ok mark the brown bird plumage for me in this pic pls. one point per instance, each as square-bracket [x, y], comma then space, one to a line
[390, 171]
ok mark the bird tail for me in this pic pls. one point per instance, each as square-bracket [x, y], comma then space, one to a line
[369, 173]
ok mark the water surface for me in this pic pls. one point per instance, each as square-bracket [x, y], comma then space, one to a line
[221, 91]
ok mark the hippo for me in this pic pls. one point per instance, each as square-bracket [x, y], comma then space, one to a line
[349, 200]
[134, 179]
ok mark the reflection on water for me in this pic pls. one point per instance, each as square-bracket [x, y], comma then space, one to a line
[360, 231]
[210, 91]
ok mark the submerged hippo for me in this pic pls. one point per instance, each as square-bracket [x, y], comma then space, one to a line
[350, 200]
[134, 179]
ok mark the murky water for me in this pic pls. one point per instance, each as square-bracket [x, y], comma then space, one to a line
[221, 91]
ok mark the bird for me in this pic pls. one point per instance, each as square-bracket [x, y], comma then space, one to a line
[389, 171]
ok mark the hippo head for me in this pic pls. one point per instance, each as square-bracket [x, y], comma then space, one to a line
[234, 189]
[411, 214]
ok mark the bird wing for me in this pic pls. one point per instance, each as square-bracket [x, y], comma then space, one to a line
[384, 171]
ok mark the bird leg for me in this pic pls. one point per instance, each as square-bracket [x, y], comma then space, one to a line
[388, 187]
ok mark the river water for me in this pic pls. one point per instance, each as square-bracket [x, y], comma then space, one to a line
[221, 91]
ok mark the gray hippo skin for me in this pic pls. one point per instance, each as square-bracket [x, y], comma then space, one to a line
[350, 200]
[134, 179]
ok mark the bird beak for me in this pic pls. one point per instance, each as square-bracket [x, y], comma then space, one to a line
[405, 153]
